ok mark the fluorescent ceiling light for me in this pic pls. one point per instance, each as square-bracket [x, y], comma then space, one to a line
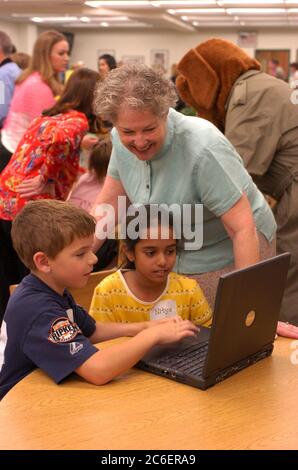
[210, 18]
[255, 11]
[183, 2]
[109, 18]
[48, 19]
[109, 3]
[198, 10]
[110, 25]
[85, 19]
[177, 22]
[250, 2]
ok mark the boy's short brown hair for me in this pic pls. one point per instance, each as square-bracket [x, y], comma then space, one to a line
[48, 226]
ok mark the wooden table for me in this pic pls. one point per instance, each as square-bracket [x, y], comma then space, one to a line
[254, 409]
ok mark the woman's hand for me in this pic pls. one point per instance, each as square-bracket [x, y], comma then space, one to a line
[287, 330]
[32, 187]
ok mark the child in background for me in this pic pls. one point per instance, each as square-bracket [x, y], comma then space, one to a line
[86, 191]
[44, 327]
[45, 165]
[149, 290]
[89, 185]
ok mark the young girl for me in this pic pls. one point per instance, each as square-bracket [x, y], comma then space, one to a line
[35, 90]
[86, 190]
[85, 193]
[44, 166]
[148, 289]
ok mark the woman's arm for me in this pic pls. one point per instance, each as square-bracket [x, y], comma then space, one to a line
[240, 226]
[112, 195]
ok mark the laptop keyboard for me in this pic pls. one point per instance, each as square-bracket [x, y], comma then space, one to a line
[190, 361]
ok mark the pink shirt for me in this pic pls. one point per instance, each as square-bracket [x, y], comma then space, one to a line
[85, 191]
[30, 98]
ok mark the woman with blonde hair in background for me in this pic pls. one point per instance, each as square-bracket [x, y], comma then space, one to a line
[45, 165]
[35, 90]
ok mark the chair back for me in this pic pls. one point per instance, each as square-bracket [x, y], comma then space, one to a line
[83, 295]
[12, 288]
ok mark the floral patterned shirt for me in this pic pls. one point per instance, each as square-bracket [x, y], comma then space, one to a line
[51, 147]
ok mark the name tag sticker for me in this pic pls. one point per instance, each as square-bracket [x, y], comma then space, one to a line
[163, 309]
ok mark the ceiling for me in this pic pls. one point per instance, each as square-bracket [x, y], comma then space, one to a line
[183, 15]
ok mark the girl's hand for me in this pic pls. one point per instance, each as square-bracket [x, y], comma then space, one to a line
[174, 330]
[287, 330]
[32, 186]
[151, 323]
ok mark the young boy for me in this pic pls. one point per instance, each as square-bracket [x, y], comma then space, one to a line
[44, 327]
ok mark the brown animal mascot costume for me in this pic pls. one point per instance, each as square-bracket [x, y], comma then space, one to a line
[258, 114]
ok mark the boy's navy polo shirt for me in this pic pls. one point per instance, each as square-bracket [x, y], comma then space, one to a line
[42, 329]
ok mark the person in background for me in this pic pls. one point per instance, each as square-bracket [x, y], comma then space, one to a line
[21, 59]
[106, 63]
[276, 70]
[35, 90]
[180, 103]
[147, 289]
[9, 72]
[293, 80]
[85, 192]
[226, 86]
[75, 66]
[44, 327]
[45, 165]
[161, 156]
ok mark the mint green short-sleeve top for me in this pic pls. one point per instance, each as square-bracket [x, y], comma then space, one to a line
[196, 165]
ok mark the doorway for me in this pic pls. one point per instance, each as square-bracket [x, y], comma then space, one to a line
[282, 56]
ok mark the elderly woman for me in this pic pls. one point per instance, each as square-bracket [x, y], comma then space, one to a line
[239, 102]
[162, 156]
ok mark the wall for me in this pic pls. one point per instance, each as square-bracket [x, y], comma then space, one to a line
[88, 42]
[22, 35]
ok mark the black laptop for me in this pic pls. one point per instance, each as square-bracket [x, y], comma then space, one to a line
[244, 324]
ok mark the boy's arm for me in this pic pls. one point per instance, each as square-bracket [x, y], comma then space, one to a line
[105, 331]
[110, 330]
[104, 365]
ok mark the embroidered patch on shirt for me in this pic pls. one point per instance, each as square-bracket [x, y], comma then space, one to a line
[74, 348]
[62, 331]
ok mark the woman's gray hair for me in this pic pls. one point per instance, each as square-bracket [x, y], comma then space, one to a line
[134, 86]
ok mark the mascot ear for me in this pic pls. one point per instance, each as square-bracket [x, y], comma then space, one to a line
[184, 92]
[198, 80]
